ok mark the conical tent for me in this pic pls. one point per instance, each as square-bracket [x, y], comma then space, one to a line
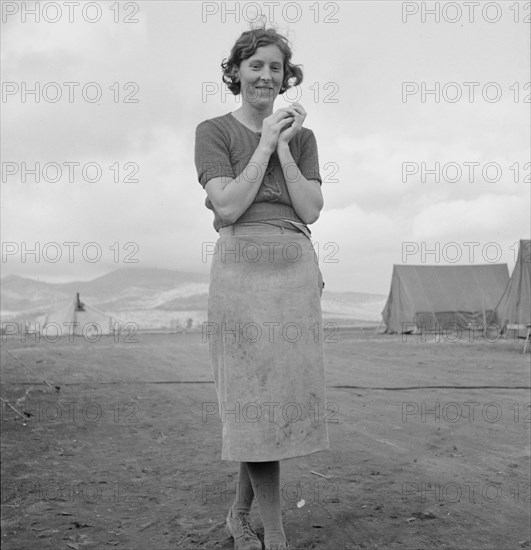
[441, 297]
[515, 304]
[76, 318]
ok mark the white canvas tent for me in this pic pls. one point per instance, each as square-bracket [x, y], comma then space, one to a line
[514, 306]
[77, 318]
[425, 297]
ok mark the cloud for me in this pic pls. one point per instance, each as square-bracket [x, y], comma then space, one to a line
[364, 137]
[493, 216]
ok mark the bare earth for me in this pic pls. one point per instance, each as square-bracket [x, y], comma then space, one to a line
[126, 455]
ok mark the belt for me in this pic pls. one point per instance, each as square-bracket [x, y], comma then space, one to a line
[265, 226]
[254, 228]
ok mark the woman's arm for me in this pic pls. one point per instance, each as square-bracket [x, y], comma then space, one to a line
[306, 196]
[232, 197]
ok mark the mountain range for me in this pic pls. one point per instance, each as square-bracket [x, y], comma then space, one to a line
[156, 298]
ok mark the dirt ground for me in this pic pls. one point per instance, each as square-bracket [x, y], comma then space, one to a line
[429, 447]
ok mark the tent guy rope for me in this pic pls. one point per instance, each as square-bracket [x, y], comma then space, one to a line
[53, 386]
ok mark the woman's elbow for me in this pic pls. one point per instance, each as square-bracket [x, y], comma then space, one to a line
[311, 216]
[227, 214]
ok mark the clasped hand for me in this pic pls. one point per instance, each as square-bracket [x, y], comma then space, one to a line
[280, 127]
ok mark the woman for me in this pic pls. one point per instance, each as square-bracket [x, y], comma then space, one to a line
[261, 174]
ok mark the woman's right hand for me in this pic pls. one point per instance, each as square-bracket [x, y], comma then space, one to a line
[273, 125]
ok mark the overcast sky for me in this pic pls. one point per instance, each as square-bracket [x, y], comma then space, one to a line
[365, 66]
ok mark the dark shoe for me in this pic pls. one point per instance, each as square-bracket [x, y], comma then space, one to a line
[239, 528]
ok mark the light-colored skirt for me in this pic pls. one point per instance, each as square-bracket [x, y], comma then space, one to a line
[265, 339]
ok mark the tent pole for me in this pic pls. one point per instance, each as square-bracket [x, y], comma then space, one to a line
[484, 316]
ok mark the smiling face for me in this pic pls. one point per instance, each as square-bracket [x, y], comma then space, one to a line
[261, 75]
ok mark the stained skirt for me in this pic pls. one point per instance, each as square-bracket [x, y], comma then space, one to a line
[265, 336]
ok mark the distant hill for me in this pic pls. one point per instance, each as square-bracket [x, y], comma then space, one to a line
[146, 278]
[165, 294]
[21, 294]
[353, 305]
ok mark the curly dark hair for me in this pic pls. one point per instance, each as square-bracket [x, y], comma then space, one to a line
[247, 45]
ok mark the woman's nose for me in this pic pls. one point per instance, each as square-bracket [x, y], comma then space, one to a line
[266, 75]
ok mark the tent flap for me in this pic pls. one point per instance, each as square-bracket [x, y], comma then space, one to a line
[515, 304]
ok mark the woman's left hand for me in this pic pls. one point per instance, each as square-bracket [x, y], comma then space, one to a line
[295, 127]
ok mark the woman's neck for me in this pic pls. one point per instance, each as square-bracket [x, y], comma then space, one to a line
[253, 117]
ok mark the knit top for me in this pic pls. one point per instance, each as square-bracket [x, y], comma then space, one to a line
[224, 146]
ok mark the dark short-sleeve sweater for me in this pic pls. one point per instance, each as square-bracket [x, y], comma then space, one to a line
[224, 146]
